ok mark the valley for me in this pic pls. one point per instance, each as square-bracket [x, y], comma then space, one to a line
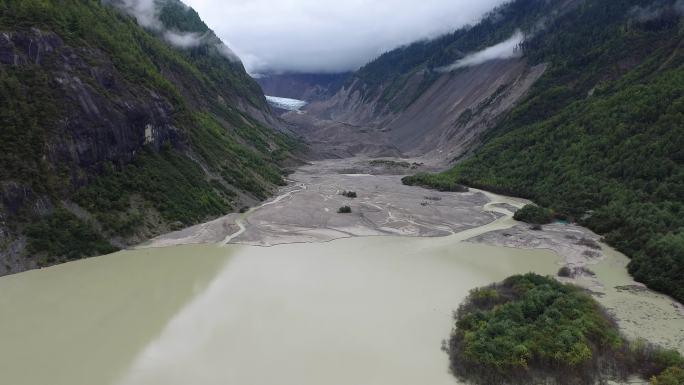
[510, 190]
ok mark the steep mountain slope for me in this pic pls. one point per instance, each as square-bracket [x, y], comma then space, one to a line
[420, 105]
[112, 133]
[599, 138]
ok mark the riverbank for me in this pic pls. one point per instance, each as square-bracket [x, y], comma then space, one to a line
[331, 300]
[306, 212]
[351, 311]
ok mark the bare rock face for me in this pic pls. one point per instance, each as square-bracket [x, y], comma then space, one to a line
[27, 48]
[99, 129]
[105, 117]
[443, 123]
[102, 116]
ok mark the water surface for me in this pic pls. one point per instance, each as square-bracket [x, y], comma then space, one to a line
[360, 310]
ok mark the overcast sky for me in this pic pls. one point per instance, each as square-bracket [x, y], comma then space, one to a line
[329, 35]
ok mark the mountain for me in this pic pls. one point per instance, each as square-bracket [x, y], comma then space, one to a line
[599, 136]
[410, 102]
[575, 104]
[120, 123]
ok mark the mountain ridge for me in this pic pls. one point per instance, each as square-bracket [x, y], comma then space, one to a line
[526, 131]
[597, 138]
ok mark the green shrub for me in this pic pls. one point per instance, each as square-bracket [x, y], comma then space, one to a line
[565, 271]
[62, 236]
[168, 181]
[671, 376]
[531, 325]
[344, 210]
[433, 181]
[533, 329]
[534, 214]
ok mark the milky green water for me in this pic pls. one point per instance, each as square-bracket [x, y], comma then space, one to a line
[353, 311]
[642, 313]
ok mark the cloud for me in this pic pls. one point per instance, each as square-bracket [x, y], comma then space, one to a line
[330, 35]
[227, 52]
[656, 10]
[505, 50]
[183, 40]
[146, 12]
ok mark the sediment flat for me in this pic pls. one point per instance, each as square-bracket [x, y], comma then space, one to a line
[305, 211]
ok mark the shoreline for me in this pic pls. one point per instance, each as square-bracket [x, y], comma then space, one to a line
[386, 208]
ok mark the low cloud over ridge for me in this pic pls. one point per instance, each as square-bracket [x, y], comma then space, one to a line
[505, 50]
[146, 12]
[329, 35]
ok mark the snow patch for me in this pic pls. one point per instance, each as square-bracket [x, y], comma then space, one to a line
[286, 103]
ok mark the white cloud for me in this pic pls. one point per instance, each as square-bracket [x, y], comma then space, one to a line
[505, 50]
[147, 15]
[329, 35]
[143, 10]
[183, 40]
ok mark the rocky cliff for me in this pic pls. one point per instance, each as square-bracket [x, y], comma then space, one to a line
[444, 122]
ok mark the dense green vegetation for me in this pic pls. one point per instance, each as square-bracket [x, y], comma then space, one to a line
[534, 214]
[176, 188]
[249, 168]
[531, 328]
[389, 163]
[671, 376]
[61, 236]
[344, 210]
[214, 152]
[27, 104]
[565, 271]
[435, 181]
[600, 137]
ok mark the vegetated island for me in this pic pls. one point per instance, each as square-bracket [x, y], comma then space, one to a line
[531, 329]
[433, 181]
[534, 214]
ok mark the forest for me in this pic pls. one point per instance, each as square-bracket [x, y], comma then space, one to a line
[167, 182]
[599, 140]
